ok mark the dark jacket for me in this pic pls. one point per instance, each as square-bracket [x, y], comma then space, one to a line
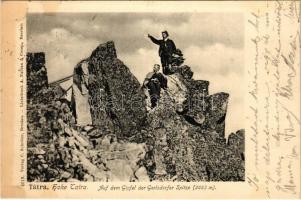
[166, 48]
[157, 78]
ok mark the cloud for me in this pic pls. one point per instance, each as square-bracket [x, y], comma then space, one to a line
[129, 30]
[63, 50]
[215, 59]
[209, 28]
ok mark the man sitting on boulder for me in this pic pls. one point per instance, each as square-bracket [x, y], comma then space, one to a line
[154, 81]
[166, 49]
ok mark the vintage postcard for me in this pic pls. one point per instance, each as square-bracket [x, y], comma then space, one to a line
[150, 99]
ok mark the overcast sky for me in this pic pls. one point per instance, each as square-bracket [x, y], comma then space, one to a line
[212, 43]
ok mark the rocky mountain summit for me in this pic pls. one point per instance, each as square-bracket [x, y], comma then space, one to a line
[108, 132]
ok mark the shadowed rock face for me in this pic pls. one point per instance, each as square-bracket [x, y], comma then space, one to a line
[115, 99]
[184, 131]
[36, 74]
[182, 139]
[188, 129]
[209, 112]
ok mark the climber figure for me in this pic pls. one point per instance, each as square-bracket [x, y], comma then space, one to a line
[166, 50]
[154, 81]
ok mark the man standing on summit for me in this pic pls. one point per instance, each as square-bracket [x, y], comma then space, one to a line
[166, 48]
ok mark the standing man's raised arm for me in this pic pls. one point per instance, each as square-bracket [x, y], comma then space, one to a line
[154, 40]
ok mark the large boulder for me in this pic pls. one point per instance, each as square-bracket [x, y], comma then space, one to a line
[172, 143]
[115, 99]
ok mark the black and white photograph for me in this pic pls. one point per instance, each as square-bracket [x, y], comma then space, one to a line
[135, 97]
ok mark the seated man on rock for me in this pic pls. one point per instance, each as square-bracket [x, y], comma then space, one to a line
[154, 81]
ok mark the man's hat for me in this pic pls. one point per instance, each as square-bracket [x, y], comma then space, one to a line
[165, 33]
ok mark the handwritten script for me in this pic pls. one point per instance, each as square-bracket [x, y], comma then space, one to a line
[274, 100]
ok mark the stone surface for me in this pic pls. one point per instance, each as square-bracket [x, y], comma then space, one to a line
[115, 98]
[216, 110]
[36, 74]
[81, 106]
[188, 143]
[184, 70]
[141, 175]
[108, 132]
[69, 156]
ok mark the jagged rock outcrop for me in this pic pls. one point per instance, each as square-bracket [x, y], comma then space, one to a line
[208, 112]
[115, 99]
[109, 132]
[36, 74]
[61, 150]
[172, 143]
[187, 130]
